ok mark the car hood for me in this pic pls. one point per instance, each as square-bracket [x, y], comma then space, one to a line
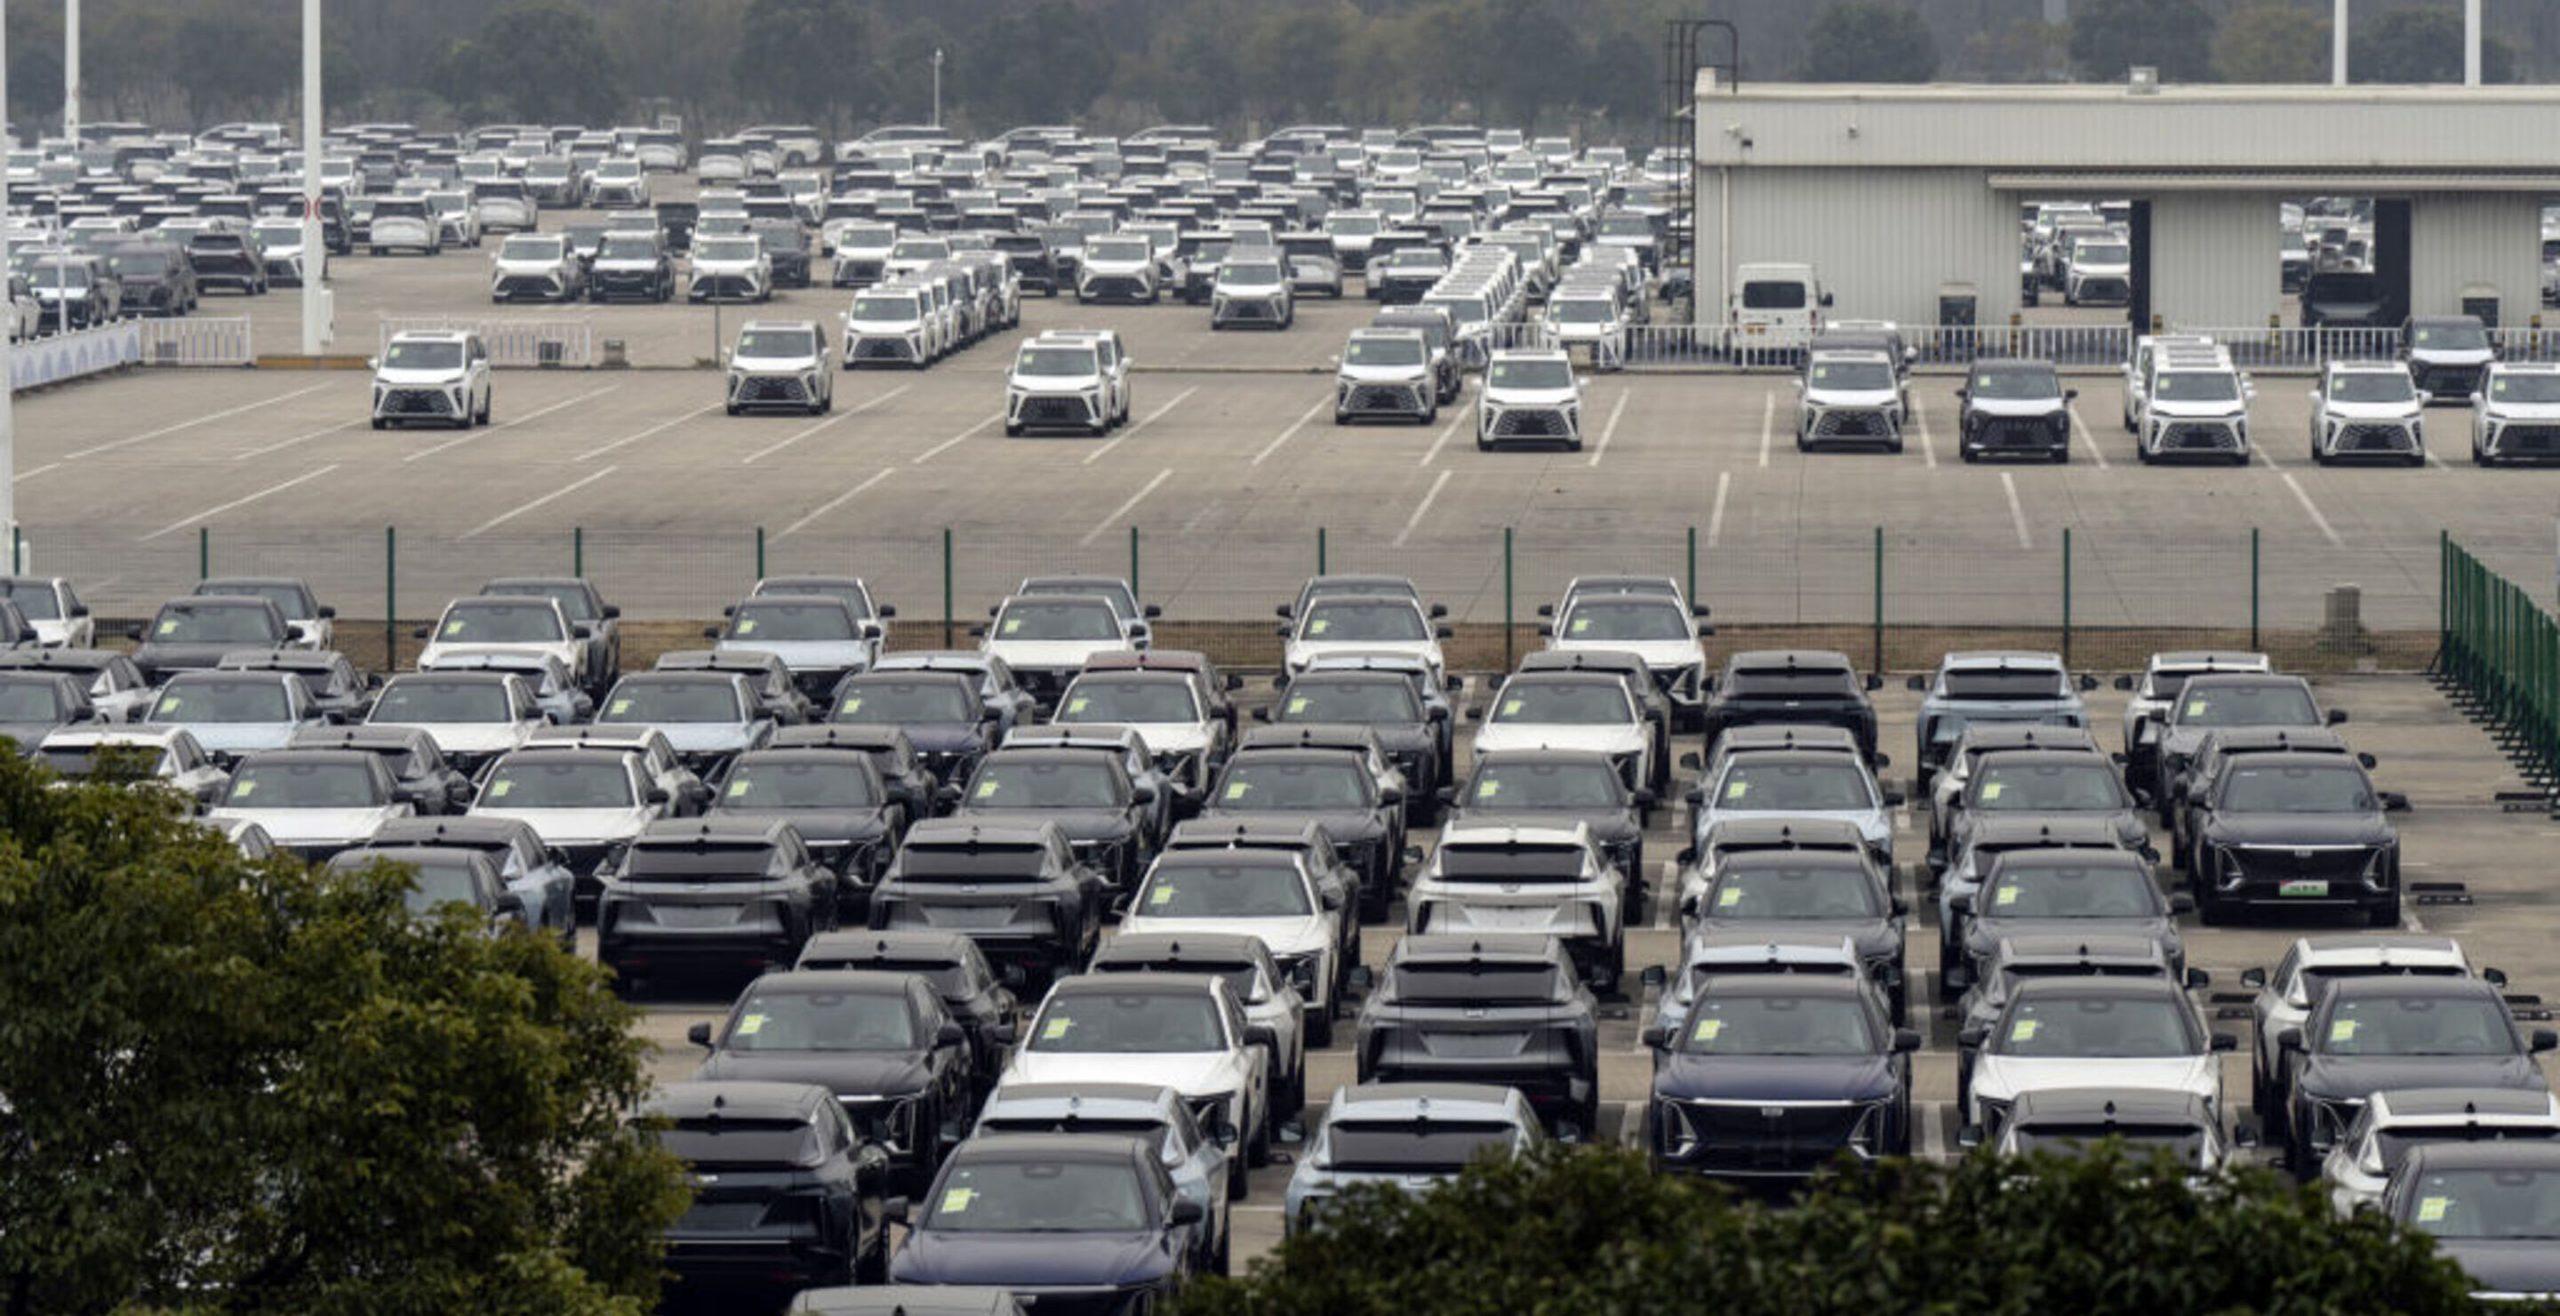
[1050, 654]
[1412, 374]
[2017, 406]
[2000, 1077]
[2199, 407]
[722, 265]
[2306, 829]
[2352, 1078]
[2452, 356]
[1029, 1261]
[543, 265]
[304, 826]
[28, 734]
[564, 650]
[1532, 397]
[1303, 651]
[418, 378]
[1285, 936]
[1774, 1078]
[777, 365]
[1851, 397]
[1191, 1073]
[467, 737]
[906, 325]
[1053, 384]
[572, 826]
[2374, 410]
[844, 1073]
[2522, 1266]
[1657, 654]
[1078, 824]
[237, 737]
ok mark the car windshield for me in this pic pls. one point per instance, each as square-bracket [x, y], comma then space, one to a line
[1529, 374]
[1795, 786]
[1369, 703]
[822, 1021]
[28, 701]
[1640, 620]
[1223, 888]
[2275, 705]
[1566, 703]
[2371, 386]
[2466, 1025]
[2019, 384]
[728, 1143]
[701, 861]
[35, 599]
[304, 786]
[726, 248]
[2096, 890]
[1538, 784]
[988, 1196]
[1788, 295]
[2185, 1143]
[791, 621]
[1294, 785]
[1852, 376]
[141, 264]
[1125, 699]
[1350, 622]
[1154, 1133]
[530, 249]
[1793, 890]
[1352, 226]
[423, 356]
[776, 342]
[78, 761]
[541, 781]
[894, 309]
[1416, 1146]
[2298, 788]
[623, 247]
[1789, 683]
[2487, 1203]
[1059, 619]
[1581, 310]
[492, 621]
[2505, 387]
[1057, 362]
[1464, 310]
[61, 274]
[2108, 1027]
[2101, 253]
[440, 883]
[433, 699]
[798, 785]
[642, 702]
[218, 699]
[1248, 272]
[2448, 338]
[1045, 784]
[2047, 787]
[880, 702]
[1133, 1024]
[1823, 1025]
[2196, 386]
[920, 249]
[2393, 1145]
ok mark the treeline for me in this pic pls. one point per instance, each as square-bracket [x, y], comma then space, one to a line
[1590, 66]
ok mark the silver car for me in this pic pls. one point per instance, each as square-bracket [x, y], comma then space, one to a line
[1409, 1136]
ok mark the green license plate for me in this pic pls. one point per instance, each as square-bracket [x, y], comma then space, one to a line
[2313, 890]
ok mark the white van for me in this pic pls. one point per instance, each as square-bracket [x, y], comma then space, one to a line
[1775, 309]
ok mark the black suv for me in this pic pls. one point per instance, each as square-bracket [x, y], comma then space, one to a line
[698, 892]
[2295, 829]
[971, 989]
[1332, 788]
[1499, 1008]
[158, 277]
[1013, 886]
[834, 800]
[1816, 686]
[1408, 730]
[1035, 266]
[786, 244]
[1772, 1075]
[2015, 409]
[1088, 796]
[2408, 1031]
[786, 1194]
[226, 259]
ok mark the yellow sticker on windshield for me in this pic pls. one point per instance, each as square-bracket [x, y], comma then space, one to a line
[1012, 624]
[1298, 704]
[1581, 624]
[1512, 707]
[747, 626]
[168, 628]
[736, 789]
[453, 628]
[244, 790]
[2342, 1030]
[987, 789]
[499, 791]
[170, 704]
[1707, 1029]
[1055, 1029]
[1488, 789]
[1736, 790]
[2008, 896]
[853, 705]
[1991, 790]
[751, 1025]
[1236, 789]
[1729, 897]
[2431, 1209]
[1162, 895]
[620, 707]
[1319, 626]
[956, 1200]
[2023, 1031]
[1077, 704]
[2195, 708]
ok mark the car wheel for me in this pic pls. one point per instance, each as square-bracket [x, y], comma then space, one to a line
[381, 424]
[871, 1265]
[1237, 1182]
[1319, 1031]
[1013, 431]
[2383, 916]
[1258, 1150]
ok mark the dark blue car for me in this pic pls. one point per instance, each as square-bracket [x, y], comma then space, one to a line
[1773, 1075]
[1077, 1224]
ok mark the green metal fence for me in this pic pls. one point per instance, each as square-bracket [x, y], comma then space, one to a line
[2501, 649]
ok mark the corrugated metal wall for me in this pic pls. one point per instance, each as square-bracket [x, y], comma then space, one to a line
[2485, 238]
[2216, 260]
[1883, 240]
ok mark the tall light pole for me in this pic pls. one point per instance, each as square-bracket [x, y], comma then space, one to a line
[8, 349]
[71, 71]
[937, 86]
[315, 252]
[2471, 43]
[2338, 44]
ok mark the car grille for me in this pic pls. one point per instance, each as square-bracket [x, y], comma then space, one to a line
[1532, 423]
[724, 285]
[1752, 1137]
[1399, 398]
[2536, 440]
[757, 388]
[2017, 433]
[2205, 437]
[2446, 380]
[856, 273]
[532, 285]
[889, 1121]
[1252, 309]
[1114, 285]
[2375, 438]
[1056, 411]
[883, 349]
[2104, 290]
[2276, 863]
[632, 279]
[417, 402]
[1859, 424]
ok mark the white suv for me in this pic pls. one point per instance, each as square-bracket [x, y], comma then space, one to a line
[1849, 397]
[1118, 267]
[730, 268]
[439, 375]
[1385, 372]
[2367, 409]
[891, 324]
[1057, 384]
[1252, 290]
[536, 267]
[2516, 414]
[782, 364]
[1115, 364]
[2184, 398]
[1530, 395]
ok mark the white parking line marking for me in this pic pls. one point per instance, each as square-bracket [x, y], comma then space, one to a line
[1301, 423]
[1125, 508]
[190, 424]
[847, 414]
[1438, 443]
[1928, 445]
[183, 522]
[1149, 419]
[29, 475]
[1768, 421]
[2434, 460]
[955, 440]
[282, 444]
[2269, 458]
[1715, 519]
[2094, 449]
[536, 414]
[503, 517]
[1418, 509]
[833, 503]
[2326, 530]
[1610, 429]
[660, 428]
[2017, 513]
[1930, 1145]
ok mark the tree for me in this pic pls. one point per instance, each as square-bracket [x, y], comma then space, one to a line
[2272, 43]
[1041, 63]
[1870, 41]
[2420, 45]
[1593, 1230]
[246, 1087]
[2109, 37]
[807, 58]
[542, 60]
[2022, 51]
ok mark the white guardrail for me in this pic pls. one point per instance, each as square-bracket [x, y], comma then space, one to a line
[34, 363]
[1719, 346]
[557, 343]
[198, 341]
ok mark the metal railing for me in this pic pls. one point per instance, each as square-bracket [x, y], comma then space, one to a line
[2501, 651]
[2267, 347]
[548, 342]
[198, 341]
[60, 358]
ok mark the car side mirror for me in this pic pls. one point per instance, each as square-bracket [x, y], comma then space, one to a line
[2545, 1039]
[1143, 792]
[711, 632]
[1443, 633]
[2394, 802]
[1262, 715]
[1186, 1211]
[1691, 762]
[2087, 683]
[2367, 761]
[2494, 977]
[1961, 902]
[2289, 1040]
[2070, 395]
[1002, 1034]
[1973, 1036]
[1969, 1137]
[2225, 1042]
[2197, 980]
[1656, 1036]
[949, 1034]
[977, 632]
[896, 1210]
[612, 612]
[1546, 632]
[2182, 903]
[1875, 681]
[1440, 610]
[1893, 799]
[699, 1035]
[656, 795]
[1906, 1040]
[1899, 907]
[1152, 611]
[1233, 683]
[1642, 799]
[418, 634]
[1282, 612]
[2337, 717]
[2253, 977]
[1882, 760]
[1546, 609]
[1361, 978]
[373, 363]
[1654, 976]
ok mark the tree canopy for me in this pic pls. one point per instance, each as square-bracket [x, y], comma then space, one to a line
[2109, 37]
[236, 1086]
[2420, 45]
[1870, 41]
